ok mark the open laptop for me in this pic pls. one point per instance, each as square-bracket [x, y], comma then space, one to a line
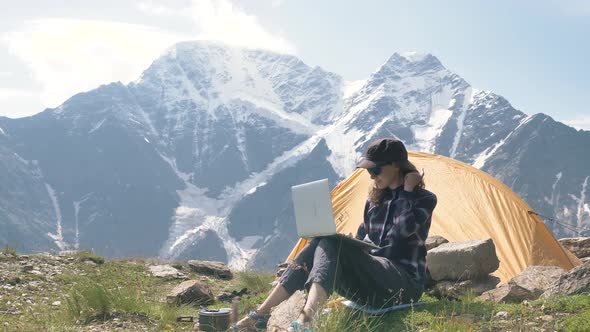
[314, 215]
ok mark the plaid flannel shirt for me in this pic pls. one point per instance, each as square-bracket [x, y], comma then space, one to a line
[399, 225]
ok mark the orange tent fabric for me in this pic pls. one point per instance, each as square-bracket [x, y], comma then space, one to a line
[472, 205]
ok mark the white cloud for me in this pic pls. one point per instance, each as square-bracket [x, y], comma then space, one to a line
[277, 3]
[15, 93]
[579, 122]
[17, 103]
[69, 56]
[221, 20]
[151, 8]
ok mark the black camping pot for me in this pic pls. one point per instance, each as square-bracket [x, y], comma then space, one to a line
[214, 320]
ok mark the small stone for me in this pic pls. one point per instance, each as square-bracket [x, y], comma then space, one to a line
[13, 281]
[56, 303]
[434, 241]
[166, 271]
[189, 292]
[28, 268]
[211, 268]
[502, 314]
[546, 318]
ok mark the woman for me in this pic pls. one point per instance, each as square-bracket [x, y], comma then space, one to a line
[397, 218]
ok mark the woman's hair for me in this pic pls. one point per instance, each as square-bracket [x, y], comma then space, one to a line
[405, 167]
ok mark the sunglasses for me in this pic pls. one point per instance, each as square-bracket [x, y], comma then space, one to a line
[377, 169]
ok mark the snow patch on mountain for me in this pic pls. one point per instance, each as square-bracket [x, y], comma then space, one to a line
[581, 200]
[554, 198]
[439, 116]
[96, 126]
[77, 205]
[488, 152]
[351, 88]
[248, 242]
[253, 190]
[57, 237]
[414, 56]
[2, 132]
[195, 213]
[467, 101]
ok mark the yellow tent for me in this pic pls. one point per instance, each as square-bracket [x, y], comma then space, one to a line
[472, 205]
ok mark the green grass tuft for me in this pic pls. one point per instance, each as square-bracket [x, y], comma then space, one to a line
[578, 322]
[87, 255]
[256, 282]
[9, 251]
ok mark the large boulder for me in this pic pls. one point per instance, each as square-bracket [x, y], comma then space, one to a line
[211, 268]
[528, 285]
[456, 290]
[434, 241]
[576, 281]
[579, 246]
[536, 279]
[166, 271]
[190, 292]
[466, 260]
[282, 315]
[507, 293]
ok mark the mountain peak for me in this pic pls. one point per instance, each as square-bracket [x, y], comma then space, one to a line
[407, 64]
[412, 62]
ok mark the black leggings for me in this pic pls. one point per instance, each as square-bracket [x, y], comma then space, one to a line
[352, 272]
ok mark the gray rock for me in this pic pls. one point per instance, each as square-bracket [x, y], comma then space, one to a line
[502, 314]
[528, 285]
[455, 290]
[466, 260]
[215, 269]
[166, 271]
[435, 241]
[190, 292]
[282, 315]
[576, 281]
[28, 268]
[536, 279]
[546, 318]
[507, 293]
[579, 246]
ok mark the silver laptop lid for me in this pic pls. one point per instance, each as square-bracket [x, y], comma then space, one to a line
[313, 209]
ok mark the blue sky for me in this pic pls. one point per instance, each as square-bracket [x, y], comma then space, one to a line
[534, 53]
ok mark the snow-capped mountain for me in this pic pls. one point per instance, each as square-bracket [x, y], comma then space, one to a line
[195, 159]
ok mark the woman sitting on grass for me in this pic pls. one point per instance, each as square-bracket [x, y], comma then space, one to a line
[397, 218]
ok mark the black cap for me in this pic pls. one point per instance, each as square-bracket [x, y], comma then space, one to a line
[384, 151]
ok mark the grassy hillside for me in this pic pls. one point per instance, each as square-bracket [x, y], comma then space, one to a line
[84, 293]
